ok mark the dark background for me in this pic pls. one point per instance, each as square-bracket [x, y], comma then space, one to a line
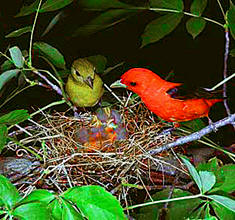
[197, 62]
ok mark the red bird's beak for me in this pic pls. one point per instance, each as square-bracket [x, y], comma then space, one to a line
[118, 84]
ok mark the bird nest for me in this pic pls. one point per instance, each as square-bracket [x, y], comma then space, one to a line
[117, 162]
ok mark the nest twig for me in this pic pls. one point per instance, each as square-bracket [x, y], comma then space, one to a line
[115, 165]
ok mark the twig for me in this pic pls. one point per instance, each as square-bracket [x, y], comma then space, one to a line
[48, 106]
[221, 83]
[225, 69]
[110, 90]
[196, 135]
[53, 86]
[32, 32]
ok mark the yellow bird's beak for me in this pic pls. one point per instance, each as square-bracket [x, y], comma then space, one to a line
[89, 81]
[118, 84]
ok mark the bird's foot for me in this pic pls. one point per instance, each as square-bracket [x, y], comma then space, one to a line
[75, 113]
[167, 131]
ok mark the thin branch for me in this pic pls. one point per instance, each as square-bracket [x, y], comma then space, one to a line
[32, 32]
[186, 13]
[196, 135]
[53, 86]
[110, 90]
[225, 69]
[221, 83]
[222, 10]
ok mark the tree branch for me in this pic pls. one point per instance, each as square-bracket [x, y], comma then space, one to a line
[226, 53]
[53, 86]
[196, 135]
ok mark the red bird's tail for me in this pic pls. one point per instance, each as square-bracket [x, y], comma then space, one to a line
[211, 102]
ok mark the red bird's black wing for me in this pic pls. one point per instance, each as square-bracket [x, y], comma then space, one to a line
[184, 93]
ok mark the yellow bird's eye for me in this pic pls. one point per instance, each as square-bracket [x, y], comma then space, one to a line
[77, 73]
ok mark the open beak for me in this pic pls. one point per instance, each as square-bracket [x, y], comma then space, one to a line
[89, 81]
[118, 84]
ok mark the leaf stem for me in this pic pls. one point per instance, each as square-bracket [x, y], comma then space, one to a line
[221, 83]
[48, 106]
[164, 201]
[15, 93]
[221, 8]
[1, 53]
[186, 13]
[26, 148]
[32, 32]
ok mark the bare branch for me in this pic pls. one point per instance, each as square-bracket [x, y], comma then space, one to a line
[196, 135]
[53, 86]
[226, 54]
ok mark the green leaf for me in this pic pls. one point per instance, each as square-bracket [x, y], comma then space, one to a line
[17, 56]
[39, 195]
[232, 52]
[193, 172]
[168, 4]
[221, 211]
[8, 75]
[111, 68]
[52, 5]
[8, 193]
[50, 53]
[69, 213]
[231, 19]
[19, 32]
[102, 4]
[64, 73]
[198, 6]
[208, 180]
[212, 165]
[195, 26]
[7, 65]
[103, 21]
[181, 209]
[95, 202]
[3, 136]
[99, 62]
[26, 10]
[14, 117]
[159, 28]
[224, 201]
[208, 215]
[35, 211]
[53, 22]
[55, 208]
[224, 175]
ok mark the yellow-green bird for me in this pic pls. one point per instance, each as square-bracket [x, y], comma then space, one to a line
[84, 86]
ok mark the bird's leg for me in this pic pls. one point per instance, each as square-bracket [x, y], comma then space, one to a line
[75, 112]
[170, 130]
[167, 131]
[211, 123]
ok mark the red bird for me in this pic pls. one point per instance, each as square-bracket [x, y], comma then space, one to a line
[163, 98]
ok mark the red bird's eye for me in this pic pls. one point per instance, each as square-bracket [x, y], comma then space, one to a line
[133, 84]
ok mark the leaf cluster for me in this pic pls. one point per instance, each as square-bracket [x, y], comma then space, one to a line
[213, 202]
[86, 202]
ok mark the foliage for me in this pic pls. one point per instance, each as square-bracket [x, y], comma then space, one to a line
[214, 182]
[12, 118]
[76, 203]
[198, 206]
